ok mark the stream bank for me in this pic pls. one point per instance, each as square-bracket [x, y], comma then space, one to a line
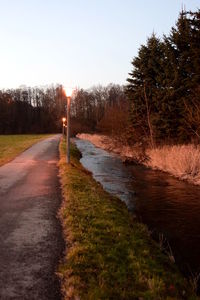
[109, 254]
[181, 161]
[168, 206]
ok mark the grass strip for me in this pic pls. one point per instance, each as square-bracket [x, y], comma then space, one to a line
[109, 255]
[12, 145]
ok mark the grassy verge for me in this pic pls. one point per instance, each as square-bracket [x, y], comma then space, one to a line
[12, 145]
[109, 255]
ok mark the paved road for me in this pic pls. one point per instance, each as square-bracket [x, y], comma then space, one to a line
[30, 234]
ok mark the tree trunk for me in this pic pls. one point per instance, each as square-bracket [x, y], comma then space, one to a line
[148, 118]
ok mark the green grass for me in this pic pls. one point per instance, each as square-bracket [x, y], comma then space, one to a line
[109, 255]
[12, 145]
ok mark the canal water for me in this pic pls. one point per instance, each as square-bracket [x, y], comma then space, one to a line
[169, 207]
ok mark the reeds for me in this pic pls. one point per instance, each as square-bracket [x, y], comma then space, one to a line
[182, 161]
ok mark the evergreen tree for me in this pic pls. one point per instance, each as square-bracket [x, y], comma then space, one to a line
[185, 41]
[144, 88]
[165, 76]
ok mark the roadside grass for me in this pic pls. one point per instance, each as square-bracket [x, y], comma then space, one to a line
[12, 145]
[109, 255]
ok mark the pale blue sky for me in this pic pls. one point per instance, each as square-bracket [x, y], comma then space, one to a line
[78, 42]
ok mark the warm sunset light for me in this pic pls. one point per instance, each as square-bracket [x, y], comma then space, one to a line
[68, 91]
[100, 149]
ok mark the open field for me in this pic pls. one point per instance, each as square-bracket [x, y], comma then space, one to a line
[12, 145]
[109, 254]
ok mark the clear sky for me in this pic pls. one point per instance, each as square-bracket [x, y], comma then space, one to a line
[78, 42]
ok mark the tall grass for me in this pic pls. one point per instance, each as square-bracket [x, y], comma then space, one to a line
[109, 255]
[182, 161]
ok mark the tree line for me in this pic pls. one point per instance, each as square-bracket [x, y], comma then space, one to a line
[159, 104]
[161, 101]
[40, 110]
[31, 110]
[99, 109]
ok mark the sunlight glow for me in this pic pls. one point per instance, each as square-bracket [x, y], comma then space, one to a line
[68, 91]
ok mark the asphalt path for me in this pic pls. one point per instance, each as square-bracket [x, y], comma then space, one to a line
[31, 241]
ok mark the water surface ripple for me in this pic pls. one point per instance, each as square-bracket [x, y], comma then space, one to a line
[168, 206]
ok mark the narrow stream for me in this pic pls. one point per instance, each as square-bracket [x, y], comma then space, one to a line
[169, 207]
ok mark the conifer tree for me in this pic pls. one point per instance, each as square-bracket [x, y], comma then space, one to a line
[143, 90]
[165, 75]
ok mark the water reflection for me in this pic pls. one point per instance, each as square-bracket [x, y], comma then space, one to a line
[108, 170]
[165, 204]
